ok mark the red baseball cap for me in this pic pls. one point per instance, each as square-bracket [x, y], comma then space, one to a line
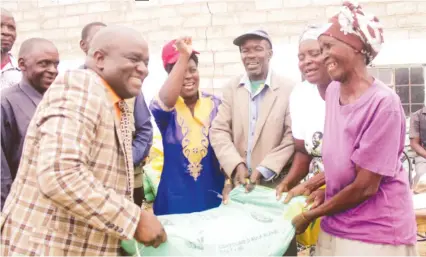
[170, 54]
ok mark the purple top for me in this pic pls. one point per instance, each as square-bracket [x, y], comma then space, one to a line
[369, 133]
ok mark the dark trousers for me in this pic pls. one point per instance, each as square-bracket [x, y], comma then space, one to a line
[138, 196]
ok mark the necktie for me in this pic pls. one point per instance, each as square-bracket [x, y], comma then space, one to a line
[127, 141]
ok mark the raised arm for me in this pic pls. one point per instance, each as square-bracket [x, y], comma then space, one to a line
[68, 127]
[170, 91]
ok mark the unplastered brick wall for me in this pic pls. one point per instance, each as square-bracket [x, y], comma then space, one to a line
[212, 24]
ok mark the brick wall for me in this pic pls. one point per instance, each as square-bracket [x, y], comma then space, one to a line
[213, 24]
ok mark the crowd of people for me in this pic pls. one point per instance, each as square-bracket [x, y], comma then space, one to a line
[74, 144]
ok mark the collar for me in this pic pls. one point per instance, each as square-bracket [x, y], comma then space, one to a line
[30, 91]
[113, 95]
[13, 61]
[424, 110]
[12, 65]
[180, 99]
[246, 81]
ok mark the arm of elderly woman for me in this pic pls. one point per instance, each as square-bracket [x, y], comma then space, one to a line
[375, 157]
[365, 186]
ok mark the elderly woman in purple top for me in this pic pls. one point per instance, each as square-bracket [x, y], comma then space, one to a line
[368, 207]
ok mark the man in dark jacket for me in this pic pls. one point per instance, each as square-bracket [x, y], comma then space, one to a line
[38, 60]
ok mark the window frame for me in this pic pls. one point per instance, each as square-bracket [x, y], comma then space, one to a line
[392, 84]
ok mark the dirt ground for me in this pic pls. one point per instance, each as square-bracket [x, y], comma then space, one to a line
[421, 246]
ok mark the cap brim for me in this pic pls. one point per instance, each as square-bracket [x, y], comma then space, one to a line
[240, 40]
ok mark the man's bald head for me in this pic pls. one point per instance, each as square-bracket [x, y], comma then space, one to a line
[120, 56]
[33, 44]
[87, 34]
[38, 60]
[8, 31]
[114, 36]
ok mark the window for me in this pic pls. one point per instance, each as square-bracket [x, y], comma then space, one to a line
[407, 80]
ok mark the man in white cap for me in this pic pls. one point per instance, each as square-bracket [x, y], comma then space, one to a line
[251, 134]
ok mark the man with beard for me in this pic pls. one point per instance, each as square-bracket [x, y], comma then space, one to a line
[140, 121]
[73, 193]
[38, 60]
[251, 134]
[10, 73]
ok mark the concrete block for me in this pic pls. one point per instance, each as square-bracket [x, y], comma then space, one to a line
[401, 8]
[75, 9]
[103, 6]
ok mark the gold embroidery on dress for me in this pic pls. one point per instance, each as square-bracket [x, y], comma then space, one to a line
[195, 132]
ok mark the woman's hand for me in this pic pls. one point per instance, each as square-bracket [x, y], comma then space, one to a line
[184, 45]
[283, 187]
[298, 190]
[301, 223]
[316, 198]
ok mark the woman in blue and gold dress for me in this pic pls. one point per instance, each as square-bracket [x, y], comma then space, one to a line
[191, 176]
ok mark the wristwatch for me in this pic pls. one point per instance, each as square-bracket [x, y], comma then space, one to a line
[228, 181]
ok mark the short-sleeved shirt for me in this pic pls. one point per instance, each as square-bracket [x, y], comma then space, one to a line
[307, 110]
[418, 125]
[10, 74]
[369, 133]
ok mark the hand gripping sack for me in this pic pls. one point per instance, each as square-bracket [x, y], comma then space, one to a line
[253, 224]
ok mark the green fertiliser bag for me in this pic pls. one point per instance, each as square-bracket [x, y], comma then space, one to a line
[251, 224]
[149, 195]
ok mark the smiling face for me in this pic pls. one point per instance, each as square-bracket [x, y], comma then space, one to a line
[191, 81]
[255, 55]
[8, 32]
[339, 58]
[311, 62]
[124, 66]
[40, 66]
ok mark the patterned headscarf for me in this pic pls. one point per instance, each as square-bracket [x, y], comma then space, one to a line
[361, 31]
[311, 32]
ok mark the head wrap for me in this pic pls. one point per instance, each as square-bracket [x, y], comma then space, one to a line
[361, 31]
[311, 32]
